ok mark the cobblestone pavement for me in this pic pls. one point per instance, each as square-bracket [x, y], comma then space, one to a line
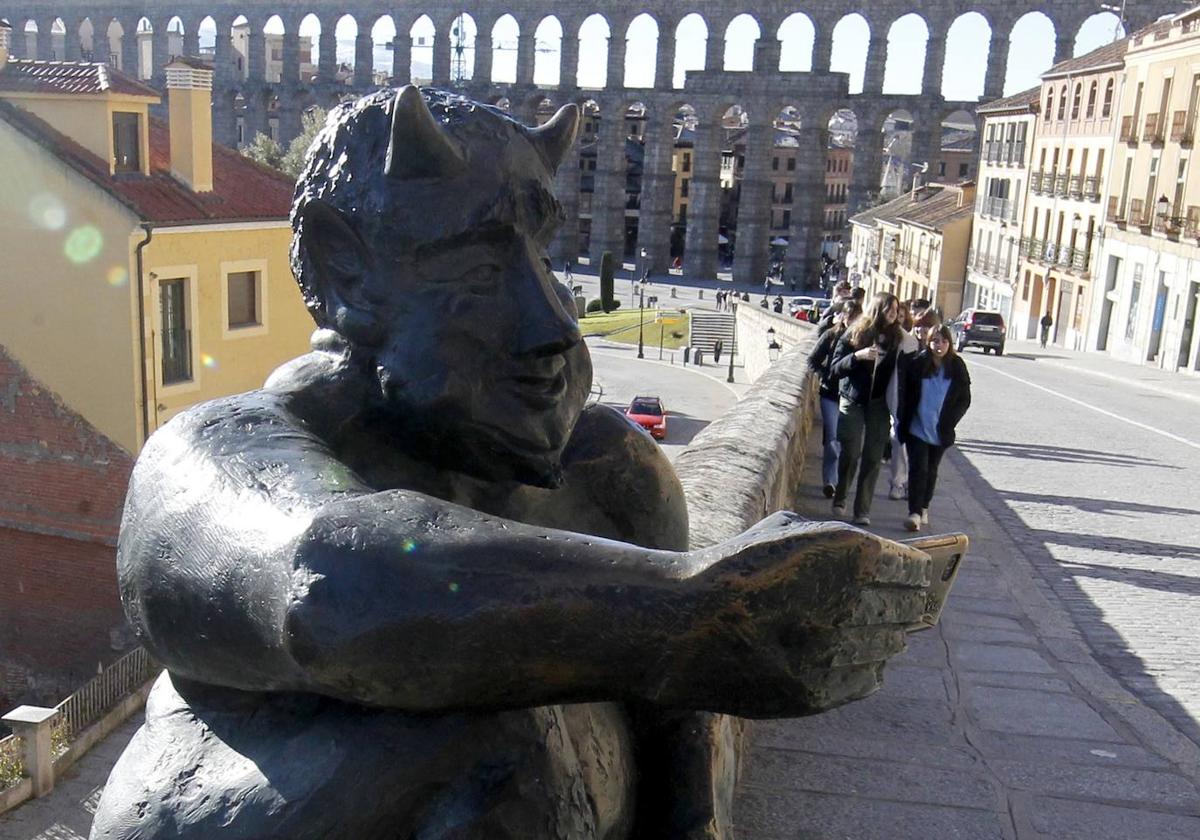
[1059, 697]
[1106, 505]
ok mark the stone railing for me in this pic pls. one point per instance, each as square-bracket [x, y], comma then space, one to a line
[754, 342]
[48, 741]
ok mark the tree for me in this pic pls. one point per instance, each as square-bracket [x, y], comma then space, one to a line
[606, 281]
[268, 152]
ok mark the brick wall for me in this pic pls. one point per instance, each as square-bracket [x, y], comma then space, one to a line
[61, 496]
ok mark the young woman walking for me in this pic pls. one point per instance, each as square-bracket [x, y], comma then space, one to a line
[820, 362]
[865, 359]
[934, 397]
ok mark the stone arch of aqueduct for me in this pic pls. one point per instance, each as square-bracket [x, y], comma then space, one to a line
[763, 92]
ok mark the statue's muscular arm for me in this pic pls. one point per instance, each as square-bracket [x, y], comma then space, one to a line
[251, 557]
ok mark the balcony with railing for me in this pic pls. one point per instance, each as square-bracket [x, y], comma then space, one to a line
[1091, 187]
[1041, 181]
[1152, 129]
[1128, 131]
[1138, 213]
[1181, 128]
[1113, 212]
[996, 206]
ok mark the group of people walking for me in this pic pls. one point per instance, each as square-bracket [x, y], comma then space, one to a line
[890, 379]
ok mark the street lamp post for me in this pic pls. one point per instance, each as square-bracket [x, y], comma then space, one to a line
[641, 318]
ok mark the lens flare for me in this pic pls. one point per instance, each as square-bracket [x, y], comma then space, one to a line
[47, 211]
[117, 276]
[453, 586]
[83, 244]
[208, 361]
[410, 546]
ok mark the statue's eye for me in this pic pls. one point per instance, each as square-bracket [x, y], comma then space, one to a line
[480, 279]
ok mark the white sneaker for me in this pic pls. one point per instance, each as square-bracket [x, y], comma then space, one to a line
[913, 522]
[862, 519]
[925, 516]
[897, 492]
[839, 510]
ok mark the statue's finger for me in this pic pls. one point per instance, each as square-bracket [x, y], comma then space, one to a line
[831, 687]
[864, 645]
[882, 605]
[900, 565]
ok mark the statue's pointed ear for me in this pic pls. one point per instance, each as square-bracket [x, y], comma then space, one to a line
[419, 147]
[340, 259]
[337, 253]
[555, 137]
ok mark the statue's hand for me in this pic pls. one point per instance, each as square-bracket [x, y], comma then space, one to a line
[791, 618]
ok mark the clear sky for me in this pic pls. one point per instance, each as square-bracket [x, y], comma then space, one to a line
[1030, 54]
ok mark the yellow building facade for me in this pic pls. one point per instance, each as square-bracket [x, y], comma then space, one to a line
[1063, 215]
[137, 287]
[916, 245]
[1148, 279]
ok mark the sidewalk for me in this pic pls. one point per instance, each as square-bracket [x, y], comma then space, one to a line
[1103, 366]
[997, 724]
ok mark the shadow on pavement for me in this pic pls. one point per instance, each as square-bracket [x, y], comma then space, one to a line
[1038, 452]
[1112, 507]
[1109, 646]
[681, 428]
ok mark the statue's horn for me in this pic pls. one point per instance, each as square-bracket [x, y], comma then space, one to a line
[555, 137]
[419, 147]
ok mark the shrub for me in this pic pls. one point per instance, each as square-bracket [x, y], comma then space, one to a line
[595, 305]
[606, 281]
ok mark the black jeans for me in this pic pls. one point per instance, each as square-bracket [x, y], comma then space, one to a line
[923, 460]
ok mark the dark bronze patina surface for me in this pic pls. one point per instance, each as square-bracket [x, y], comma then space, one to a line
[411, 588]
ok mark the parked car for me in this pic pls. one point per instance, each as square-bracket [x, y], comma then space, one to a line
[648, 412]
[978, 328]
[803, 307]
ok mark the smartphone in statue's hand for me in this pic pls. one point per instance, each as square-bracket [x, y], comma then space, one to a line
[947, 552]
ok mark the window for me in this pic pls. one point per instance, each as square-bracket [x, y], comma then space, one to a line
[1091, 106]
[687, 161]
[963, 170]
[1050, 103]
[791, 164]
[1106, 110]
[1076, 100]
[1135, 292]
[941, 167]
[1062, 102]
[787, 193]
[683, 187]
[176, 337]
[775, 164]
[126, 142]
[243, 308]
[787, 219]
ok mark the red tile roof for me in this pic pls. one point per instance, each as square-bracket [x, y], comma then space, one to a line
[242, 189]
[67, 77]
[1026, 100]
[61, 475]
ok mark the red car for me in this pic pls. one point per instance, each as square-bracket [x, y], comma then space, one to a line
[648, 412]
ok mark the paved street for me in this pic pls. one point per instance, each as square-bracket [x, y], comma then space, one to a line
[1058, 698]
[688, 292]
[1097, 481]
[692, 399]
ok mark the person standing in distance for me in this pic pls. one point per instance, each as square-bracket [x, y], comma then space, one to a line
[1047, 322]
[865, 359]
[935, 396]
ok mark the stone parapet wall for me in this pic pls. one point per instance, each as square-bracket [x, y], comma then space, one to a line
[752, 339]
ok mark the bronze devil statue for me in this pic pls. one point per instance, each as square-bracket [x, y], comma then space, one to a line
[412, 588]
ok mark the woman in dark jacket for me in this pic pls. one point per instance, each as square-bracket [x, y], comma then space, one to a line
[865, 359]
[934, 396]
[820, 362]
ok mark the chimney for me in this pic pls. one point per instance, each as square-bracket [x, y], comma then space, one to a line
[5, 40]
[189, 103]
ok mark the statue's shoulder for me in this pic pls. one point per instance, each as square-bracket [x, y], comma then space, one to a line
[625, 474]
[298, 401]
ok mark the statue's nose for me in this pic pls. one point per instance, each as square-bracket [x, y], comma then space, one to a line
[545, 326]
